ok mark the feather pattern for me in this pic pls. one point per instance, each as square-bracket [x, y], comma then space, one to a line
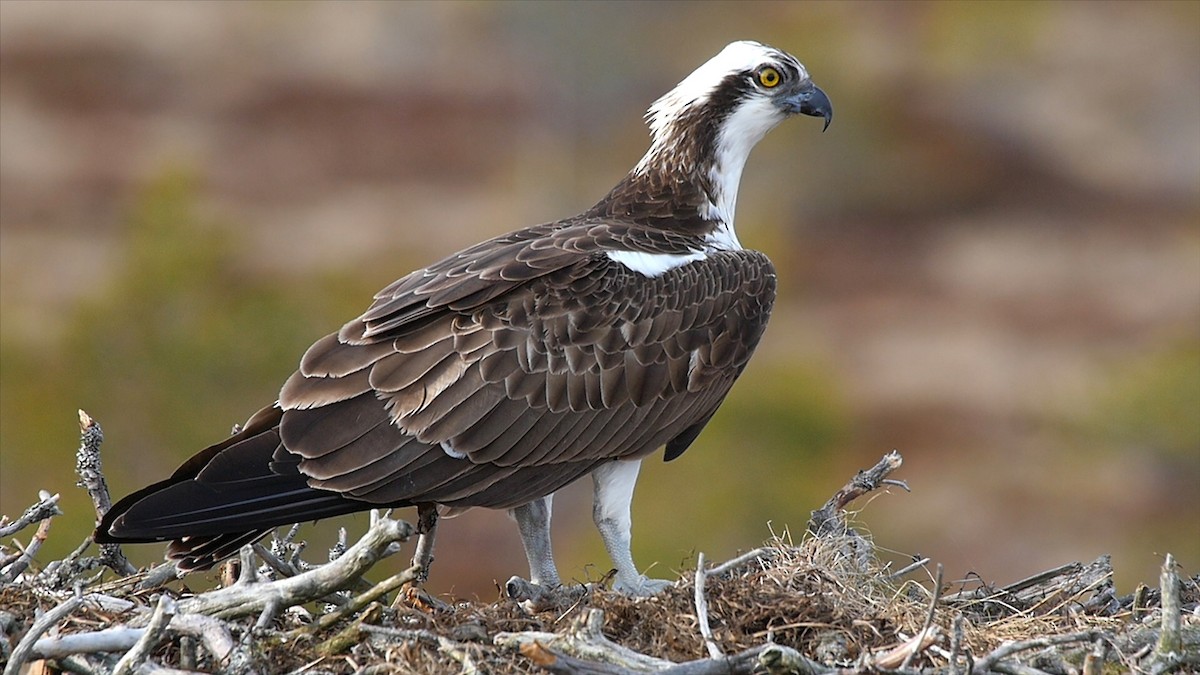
[536, 385]
[505, 371]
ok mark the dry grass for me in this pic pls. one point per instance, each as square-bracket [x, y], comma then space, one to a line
[827, 603]
[828, 598]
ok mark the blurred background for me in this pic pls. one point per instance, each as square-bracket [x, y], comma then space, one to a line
[990, 262]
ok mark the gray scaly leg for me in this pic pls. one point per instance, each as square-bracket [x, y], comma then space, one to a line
[533, 520]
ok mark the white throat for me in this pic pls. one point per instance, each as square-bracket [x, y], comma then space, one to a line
[739, 133]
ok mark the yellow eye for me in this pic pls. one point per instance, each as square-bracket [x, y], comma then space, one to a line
[769, 77]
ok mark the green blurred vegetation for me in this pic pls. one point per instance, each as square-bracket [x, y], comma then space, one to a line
[1153, 404]
[182, 345]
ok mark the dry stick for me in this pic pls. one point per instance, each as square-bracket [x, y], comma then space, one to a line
[702, 611]
[287, 569]
[60, 573]
[76, 664]
[91, 478]
[247, 570]
[155, 631]
[892, 658]
[46, 507]
[769, 658]
[583, 648]
[24, 648]
[956, 639]
[914, 565]
[273, 561]
[244, 599]
[1170, 640]
[1094, 661]
[107, 640]
[828, 518]
[992, 660]
[921, 637]
[158, 576]
[22, 562]
[454, 650]
[379, 590]
[742, 559]
[1017, 669]
[584, 640]
[1015, 588]
[211, 633]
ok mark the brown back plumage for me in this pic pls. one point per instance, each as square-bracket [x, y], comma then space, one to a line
[506, 371]
[494, 377]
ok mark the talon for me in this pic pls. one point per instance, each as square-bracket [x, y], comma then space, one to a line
[643, 586]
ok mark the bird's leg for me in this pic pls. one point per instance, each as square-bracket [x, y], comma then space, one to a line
[614, 492]
[427, 517]
[533, 521]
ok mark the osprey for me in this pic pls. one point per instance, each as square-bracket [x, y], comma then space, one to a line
[506, 371]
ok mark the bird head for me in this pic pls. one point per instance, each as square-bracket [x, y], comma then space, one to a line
[703, 129]
[749, 87]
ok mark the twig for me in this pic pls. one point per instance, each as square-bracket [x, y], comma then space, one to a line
[243, 599]
[22, 562]
[894, 657]
[117, 639]
[584, 649]
[914, 565]
[362, 600]
[267, 615]
[87, 464]
[273, 561]
[155, 630]
[91, 478]
[1170, 639]
[584, 640]
[247, 570]
[454, 650]
[158, 576]
[921, 637]
[80, 665]
[46, 507]
[24, 648]
[768, 658]
[1094, 661]
[339, 547]
[1007, 668]
[212, 633]
[1007, 649]
[61, 574]
[956, 640]
[714, 651]
[740, 560]
[828, 519]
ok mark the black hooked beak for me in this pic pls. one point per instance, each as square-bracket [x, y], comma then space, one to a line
[810, 100]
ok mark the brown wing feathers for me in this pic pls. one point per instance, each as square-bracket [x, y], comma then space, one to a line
[501, 374]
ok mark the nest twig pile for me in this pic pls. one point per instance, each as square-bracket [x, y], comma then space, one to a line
[826, 604]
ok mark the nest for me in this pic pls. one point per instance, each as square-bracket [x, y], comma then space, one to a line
[824, 604]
